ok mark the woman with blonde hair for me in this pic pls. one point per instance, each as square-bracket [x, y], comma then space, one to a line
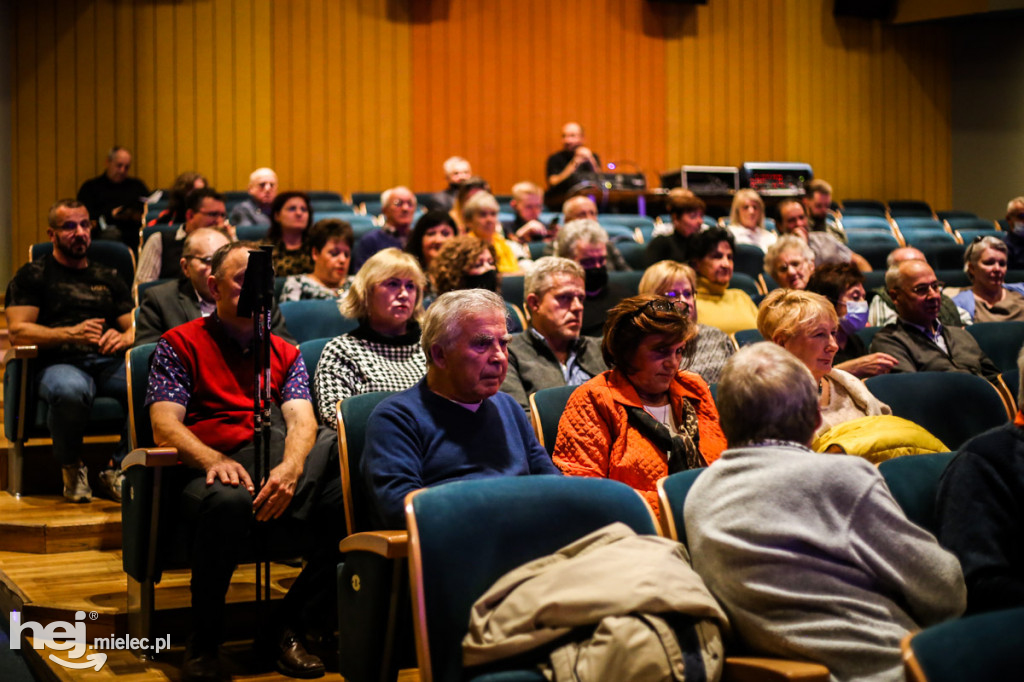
[806, 325]
[990, 298]
[746, 220]
[383, 353]
[677, 283]
[480, 216]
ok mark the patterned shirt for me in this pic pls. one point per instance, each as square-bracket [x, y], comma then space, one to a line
[297, 262]
[305, 287]
[365, 361]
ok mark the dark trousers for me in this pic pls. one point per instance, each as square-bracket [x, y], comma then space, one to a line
[224, 530]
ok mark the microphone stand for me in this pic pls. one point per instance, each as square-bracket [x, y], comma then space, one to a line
[256, 300]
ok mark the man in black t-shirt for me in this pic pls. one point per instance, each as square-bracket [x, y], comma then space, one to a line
[114, 199]
[79, 314]
[567, 168]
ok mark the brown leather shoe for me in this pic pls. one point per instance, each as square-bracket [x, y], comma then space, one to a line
[293, 659]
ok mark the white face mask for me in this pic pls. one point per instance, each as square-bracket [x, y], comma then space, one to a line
[1018, 228]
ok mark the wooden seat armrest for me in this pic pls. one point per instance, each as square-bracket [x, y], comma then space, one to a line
[755, 669]
[151, 457]
[20, 353]
[390, 544]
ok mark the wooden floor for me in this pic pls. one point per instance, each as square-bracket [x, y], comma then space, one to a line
[58, 558]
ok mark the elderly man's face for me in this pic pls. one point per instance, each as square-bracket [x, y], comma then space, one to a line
[401, 208]
[476, 362]
[793, 220]
[461, 172]
[72, 236]
[558, 313]
[572, 136]
[528, 207]
[792, 269]
[263, 188]
[918, 298]
[118, 165]
[226, 288]
[196, 265]
[580, 208]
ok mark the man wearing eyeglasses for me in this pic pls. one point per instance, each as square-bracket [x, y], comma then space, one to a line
[398, 206]
[160, 255]
[79, 314]
[551, 352]
[170, 304]
[918, 341]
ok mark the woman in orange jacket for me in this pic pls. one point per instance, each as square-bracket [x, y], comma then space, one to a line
[645, 418]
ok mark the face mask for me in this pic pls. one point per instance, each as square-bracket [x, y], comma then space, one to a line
[487, 280]
[856, 317]
[595, 279]
[1018, 228]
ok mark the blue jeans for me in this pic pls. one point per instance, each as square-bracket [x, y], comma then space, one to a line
[69, 391]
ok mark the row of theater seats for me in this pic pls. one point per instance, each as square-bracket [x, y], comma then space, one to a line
[464, 535]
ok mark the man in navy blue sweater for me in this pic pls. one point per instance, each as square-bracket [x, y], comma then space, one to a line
[453, 424]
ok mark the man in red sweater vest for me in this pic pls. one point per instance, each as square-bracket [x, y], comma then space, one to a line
[200, 402]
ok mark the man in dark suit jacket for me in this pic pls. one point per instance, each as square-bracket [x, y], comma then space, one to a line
[167, 305]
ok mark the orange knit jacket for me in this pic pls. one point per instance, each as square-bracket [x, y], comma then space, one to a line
[595, 438]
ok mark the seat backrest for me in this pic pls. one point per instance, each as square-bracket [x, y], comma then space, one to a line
[744, 283]
[315, 319]
[251, 233]
[546, 408]
[939, 249]
[953, 406]
[627, 280]
[672, 492]
[745, 337]
[953, 277]
[988, 646]
[512, 290]
[465, 535]
[863, 207]
[874, 246]
[909, 207]
[311, 352]
[1001, 341]
[913, 480]
[748, 259]
[867, 335]
[1012, 380]
[140, 429]
[353, 413]
[634, 253]
[113, 254]
[866, 222]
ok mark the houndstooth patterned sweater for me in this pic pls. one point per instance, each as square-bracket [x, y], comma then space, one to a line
[364, 361]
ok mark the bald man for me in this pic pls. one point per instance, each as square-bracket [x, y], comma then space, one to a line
[569, 166]
[918, 340]
[255, 210]
[881, 312]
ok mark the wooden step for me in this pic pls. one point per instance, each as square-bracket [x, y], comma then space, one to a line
[49, 524]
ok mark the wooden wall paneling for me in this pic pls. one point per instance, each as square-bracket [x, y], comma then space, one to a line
[106, 88]
[318, 144]
[239, 93]
[166, 104]
[399, 133]
[26, 198]
[223, 102]
[334, 110]
[210, 92]
[147, 96]
[299, 95]
[124, 74]
[194, 36]
[264, 75]
[87, 157]
[46, 103]
[353, 156]
[66, 90]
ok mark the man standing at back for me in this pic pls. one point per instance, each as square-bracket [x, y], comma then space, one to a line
[115, 200]
[809, 553]
[566, 168]
[79, 313]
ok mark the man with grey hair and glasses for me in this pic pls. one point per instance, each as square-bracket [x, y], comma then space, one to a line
[809, 553]
[454, 424]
